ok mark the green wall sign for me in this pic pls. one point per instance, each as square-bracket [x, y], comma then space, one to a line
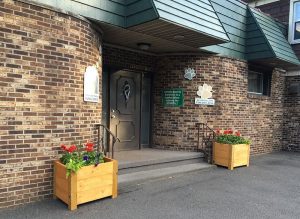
[172, 97]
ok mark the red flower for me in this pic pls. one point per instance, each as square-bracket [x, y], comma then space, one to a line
[218, 131]
[63, 147]
[72, 148]
[228, 132]
[238, 133]
[89, 146]
[89, 149]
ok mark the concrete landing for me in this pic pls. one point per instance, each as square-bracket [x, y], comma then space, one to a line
[145, 157]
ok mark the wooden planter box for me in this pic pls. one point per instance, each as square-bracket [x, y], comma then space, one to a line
[231, 155]
[88, 184]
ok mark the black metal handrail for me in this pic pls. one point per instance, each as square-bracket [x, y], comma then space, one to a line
[207, 136]
[105, 145]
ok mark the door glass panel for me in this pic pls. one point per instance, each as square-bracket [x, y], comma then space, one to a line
[126, 97]
[146, 110]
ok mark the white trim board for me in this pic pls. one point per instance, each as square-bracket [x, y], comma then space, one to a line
[293, 73]
[292, 23]
[261, 2]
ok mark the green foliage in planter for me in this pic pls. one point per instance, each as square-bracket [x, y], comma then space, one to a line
[74, 165]
[76, 157]
[231, 139]
[91, 157]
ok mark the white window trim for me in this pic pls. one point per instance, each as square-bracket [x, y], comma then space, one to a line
[292, 23]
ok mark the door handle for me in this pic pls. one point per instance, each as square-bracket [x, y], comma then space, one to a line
[112, 116]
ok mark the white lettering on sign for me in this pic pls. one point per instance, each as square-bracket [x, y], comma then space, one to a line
[200, 101]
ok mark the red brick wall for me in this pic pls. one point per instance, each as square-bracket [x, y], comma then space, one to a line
[43, 56]
[125, 59]
[259, 118]
[292, 116]
[281, 10]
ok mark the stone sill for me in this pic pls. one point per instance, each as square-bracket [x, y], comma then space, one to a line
[258, 96]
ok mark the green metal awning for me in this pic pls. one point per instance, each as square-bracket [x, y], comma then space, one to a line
[266, 42]
[226, 27]
[168, 25]
[253, 36]
[192, 23]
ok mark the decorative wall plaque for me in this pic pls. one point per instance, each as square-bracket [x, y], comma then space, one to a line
[91, 85]
[189, 73]
[205, 94]
[204, 91]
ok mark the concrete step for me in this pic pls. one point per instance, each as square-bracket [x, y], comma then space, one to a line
[157, 157]
[140, 176]
[157, 165]
[142, 165]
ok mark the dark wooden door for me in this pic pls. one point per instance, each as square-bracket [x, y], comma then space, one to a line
[125, 107]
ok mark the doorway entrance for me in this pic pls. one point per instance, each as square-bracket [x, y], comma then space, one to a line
[129, 109]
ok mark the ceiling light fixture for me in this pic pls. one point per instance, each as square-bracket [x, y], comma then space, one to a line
[144, 46]
[178, 37]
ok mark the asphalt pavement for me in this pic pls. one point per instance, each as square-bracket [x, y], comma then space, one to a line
[269, 188]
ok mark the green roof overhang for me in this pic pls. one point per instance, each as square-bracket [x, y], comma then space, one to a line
[227, 27]
[195, 21]
[189, 23]
[266, 42]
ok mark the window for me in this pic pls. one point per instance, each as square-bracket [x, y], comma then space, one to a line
[294, 23]
[255, 83]
[259, 82]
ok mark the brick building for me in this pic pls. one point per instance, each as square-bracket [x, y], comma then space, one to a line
[288, 12]
[144, 52]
